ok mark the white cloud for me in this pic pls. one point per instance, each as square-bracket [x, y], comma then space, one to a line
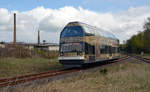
[51, 21]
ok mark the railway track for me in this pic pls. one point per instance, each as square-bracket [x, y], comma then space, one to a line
[27, 78]
[147, 60]
[32, 77]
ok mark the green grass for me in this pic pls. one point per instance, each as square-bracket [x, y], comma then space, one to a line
[147, 56]
[13, 67]
[132, 76]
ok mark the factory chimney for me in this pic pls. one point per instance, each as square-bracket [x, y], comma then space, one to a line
[14, 29]
[38, 37]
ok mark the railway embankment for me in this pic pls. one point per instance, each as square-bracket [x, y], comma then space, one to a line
[11, 67]
[130, 76]
[16, 61]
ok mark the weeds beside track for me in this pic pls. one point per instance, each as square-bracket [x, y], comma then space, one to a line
[26, 78]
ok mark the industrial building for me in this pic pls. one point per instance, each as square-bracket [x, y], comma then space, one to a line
[31, 46]
[42, 46]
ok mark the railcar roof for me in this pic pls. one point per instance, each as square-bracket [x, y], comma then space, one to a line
[98, 31]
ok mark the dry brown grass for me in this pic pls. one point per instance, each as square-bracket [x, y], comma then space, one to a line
[128, 77]
[10, 67]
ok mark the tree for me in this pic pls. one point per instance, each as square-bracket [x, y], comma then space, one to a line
[147, 36]
[139, 42]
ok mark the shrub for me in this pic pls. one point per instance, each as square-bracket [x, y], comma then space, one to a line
[103, 71]
[17, 52]
[46, 54]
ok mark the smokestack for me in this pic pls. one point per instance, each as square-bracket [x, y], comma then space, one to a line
[14, 28]
[38, 37]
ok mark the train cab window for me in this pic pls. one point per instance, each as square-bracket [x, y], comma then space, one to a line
[72, 31]
[71, 47]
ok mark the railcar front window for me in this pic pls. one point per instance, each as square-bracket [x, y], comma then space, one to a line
[72, 47]
[72, 31]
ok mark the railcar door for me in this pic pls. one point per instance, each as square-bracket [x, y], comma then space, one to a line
[110, 52]
[90, 52]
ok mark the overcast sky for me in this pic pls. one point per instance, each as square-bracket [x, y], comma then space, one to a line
[123, 18]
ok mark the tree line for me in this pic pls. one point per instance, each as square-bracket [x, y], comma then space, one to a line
[140, 42]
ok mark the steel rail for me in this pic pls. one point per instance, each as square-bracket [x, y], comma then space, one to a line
[147, 60]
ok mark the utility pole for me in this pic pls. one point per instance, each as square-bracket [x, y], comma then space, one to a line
[14, 29]
[38, 37]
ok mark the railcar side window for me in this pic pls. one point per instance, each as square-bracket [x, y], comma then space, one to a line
[104, 49]
[118, 50]
[89, 31]
[115, 50]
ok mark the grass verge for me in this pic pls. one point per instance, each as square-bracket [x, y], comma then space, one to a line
[147, 56]
[10, 67]
[132, 76]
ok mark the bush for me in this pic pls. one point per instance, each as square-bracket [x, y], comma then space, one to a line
[17, 52]
[47, 54]
[103, 71]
